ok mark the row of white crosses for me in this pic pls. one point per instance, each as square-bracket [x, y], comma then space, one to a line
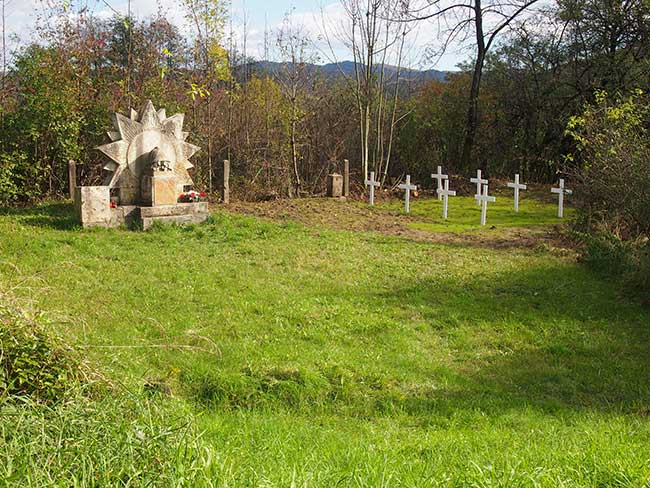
[482, 197]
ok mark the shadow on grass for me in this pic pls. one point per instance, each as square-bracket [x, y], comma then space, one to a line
[553, 338]
[54, 215]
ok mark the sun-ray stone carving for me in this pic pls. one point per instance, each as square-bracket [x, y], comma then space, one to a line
[132, 144]
[148, 163]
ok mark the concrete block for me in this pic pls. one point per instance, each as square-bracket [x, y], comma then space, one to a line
[334, 185]
[93, 206]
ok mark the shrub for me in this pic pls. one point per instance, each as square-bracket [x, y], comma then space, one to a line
[33, 362]
[612, 164]
[612, 170]
[629, 260]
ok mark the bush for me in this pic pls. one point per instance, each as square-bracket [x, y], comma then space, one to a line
[627, 260]
[612, 169]
[612, 164]
[33, 362]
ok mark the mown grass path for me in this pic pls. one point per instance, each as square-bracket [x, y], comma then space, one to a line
[322, 357]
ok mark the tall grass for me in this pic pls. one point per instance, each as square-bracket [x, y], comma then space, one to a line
[255, 354]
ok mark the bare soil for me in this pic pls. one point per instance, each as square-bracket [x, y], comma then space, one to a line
[350, 216]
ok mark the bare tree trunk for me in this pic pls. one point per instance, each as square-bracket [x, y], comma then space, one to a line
[357, 55]
[231, 87]
[267, 109]
[472, 109]
[294, 146]
[378, 158]
[393, 118]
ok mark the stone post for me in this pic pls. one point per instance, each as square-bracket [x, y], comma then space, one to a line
[72, 178]
[225, 182]
[346, 178]
[334, 185]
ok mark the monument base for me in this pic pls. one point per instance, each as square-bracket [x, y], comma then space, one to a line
[94, 209]
[178, 213]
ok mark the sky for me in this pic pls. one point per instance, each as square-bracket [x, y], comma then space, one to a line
[311, 15]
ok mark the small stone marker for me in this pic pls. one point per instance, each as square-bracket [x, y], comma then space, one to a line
[439, 177]
[225, 182]
[372, 184]
[483, 200]
[346, 178]
[479, 182]
[517, 186]
[407, 187]
[334, 185]
[561, 191]
[445, 194]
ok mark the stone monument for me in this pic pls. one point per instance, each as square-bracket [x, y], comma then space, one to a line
[147, 176]
[335, 185]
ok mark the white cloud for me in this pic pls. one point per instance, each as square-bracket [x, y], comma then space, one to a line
[19, 16]
[326, 26]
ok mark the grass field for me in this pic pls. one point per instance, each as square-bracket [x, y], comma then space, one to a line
[304, 356]
[464, 214]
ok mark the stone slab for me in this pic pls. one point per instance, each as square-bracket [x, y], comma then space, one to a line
[174, 210]
[164, 191]
[93, 206]
[196, 218]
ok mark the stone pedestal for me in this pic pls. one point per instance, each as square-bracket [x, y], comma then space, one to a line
[334, 185]
[93, 206]
[178, 213]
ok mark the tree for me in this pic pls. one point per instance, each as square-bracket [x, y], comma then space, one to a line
[606, 42]
[294, 77]
[375, 35]
[208, 18]
[611, 162]
[487, 19]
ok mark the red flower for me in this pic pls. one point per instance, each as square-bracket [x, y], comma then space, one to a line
[112, 205]
[202, 194]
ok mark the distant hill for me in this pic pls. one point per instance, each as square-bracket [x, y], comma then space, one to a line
[347, 68]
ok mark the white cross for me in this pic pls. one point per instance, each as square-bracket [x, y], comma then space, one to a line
[479, 181]
[440, 177]
[445, 194]
[517, 186]
[372, 184]
[407, 187]
[561, 191]
[483, 200]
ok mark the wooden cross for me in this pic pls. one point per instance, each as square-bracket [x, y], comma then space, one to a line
[517, 186]
[483, 200]
[440, 177]
[479, 182]
[407, 187]
[445, 194]
[561, 191]
[372, 184]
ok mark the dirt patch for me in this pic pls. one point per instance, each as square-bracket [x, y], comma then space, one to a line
[352, 216]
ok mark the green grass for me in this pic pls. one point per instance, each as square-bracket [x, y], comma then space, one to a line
[311, 357]
[464, 215]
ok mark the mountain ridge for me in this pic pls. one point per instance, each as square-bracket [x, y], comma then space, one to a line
[346, 68]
